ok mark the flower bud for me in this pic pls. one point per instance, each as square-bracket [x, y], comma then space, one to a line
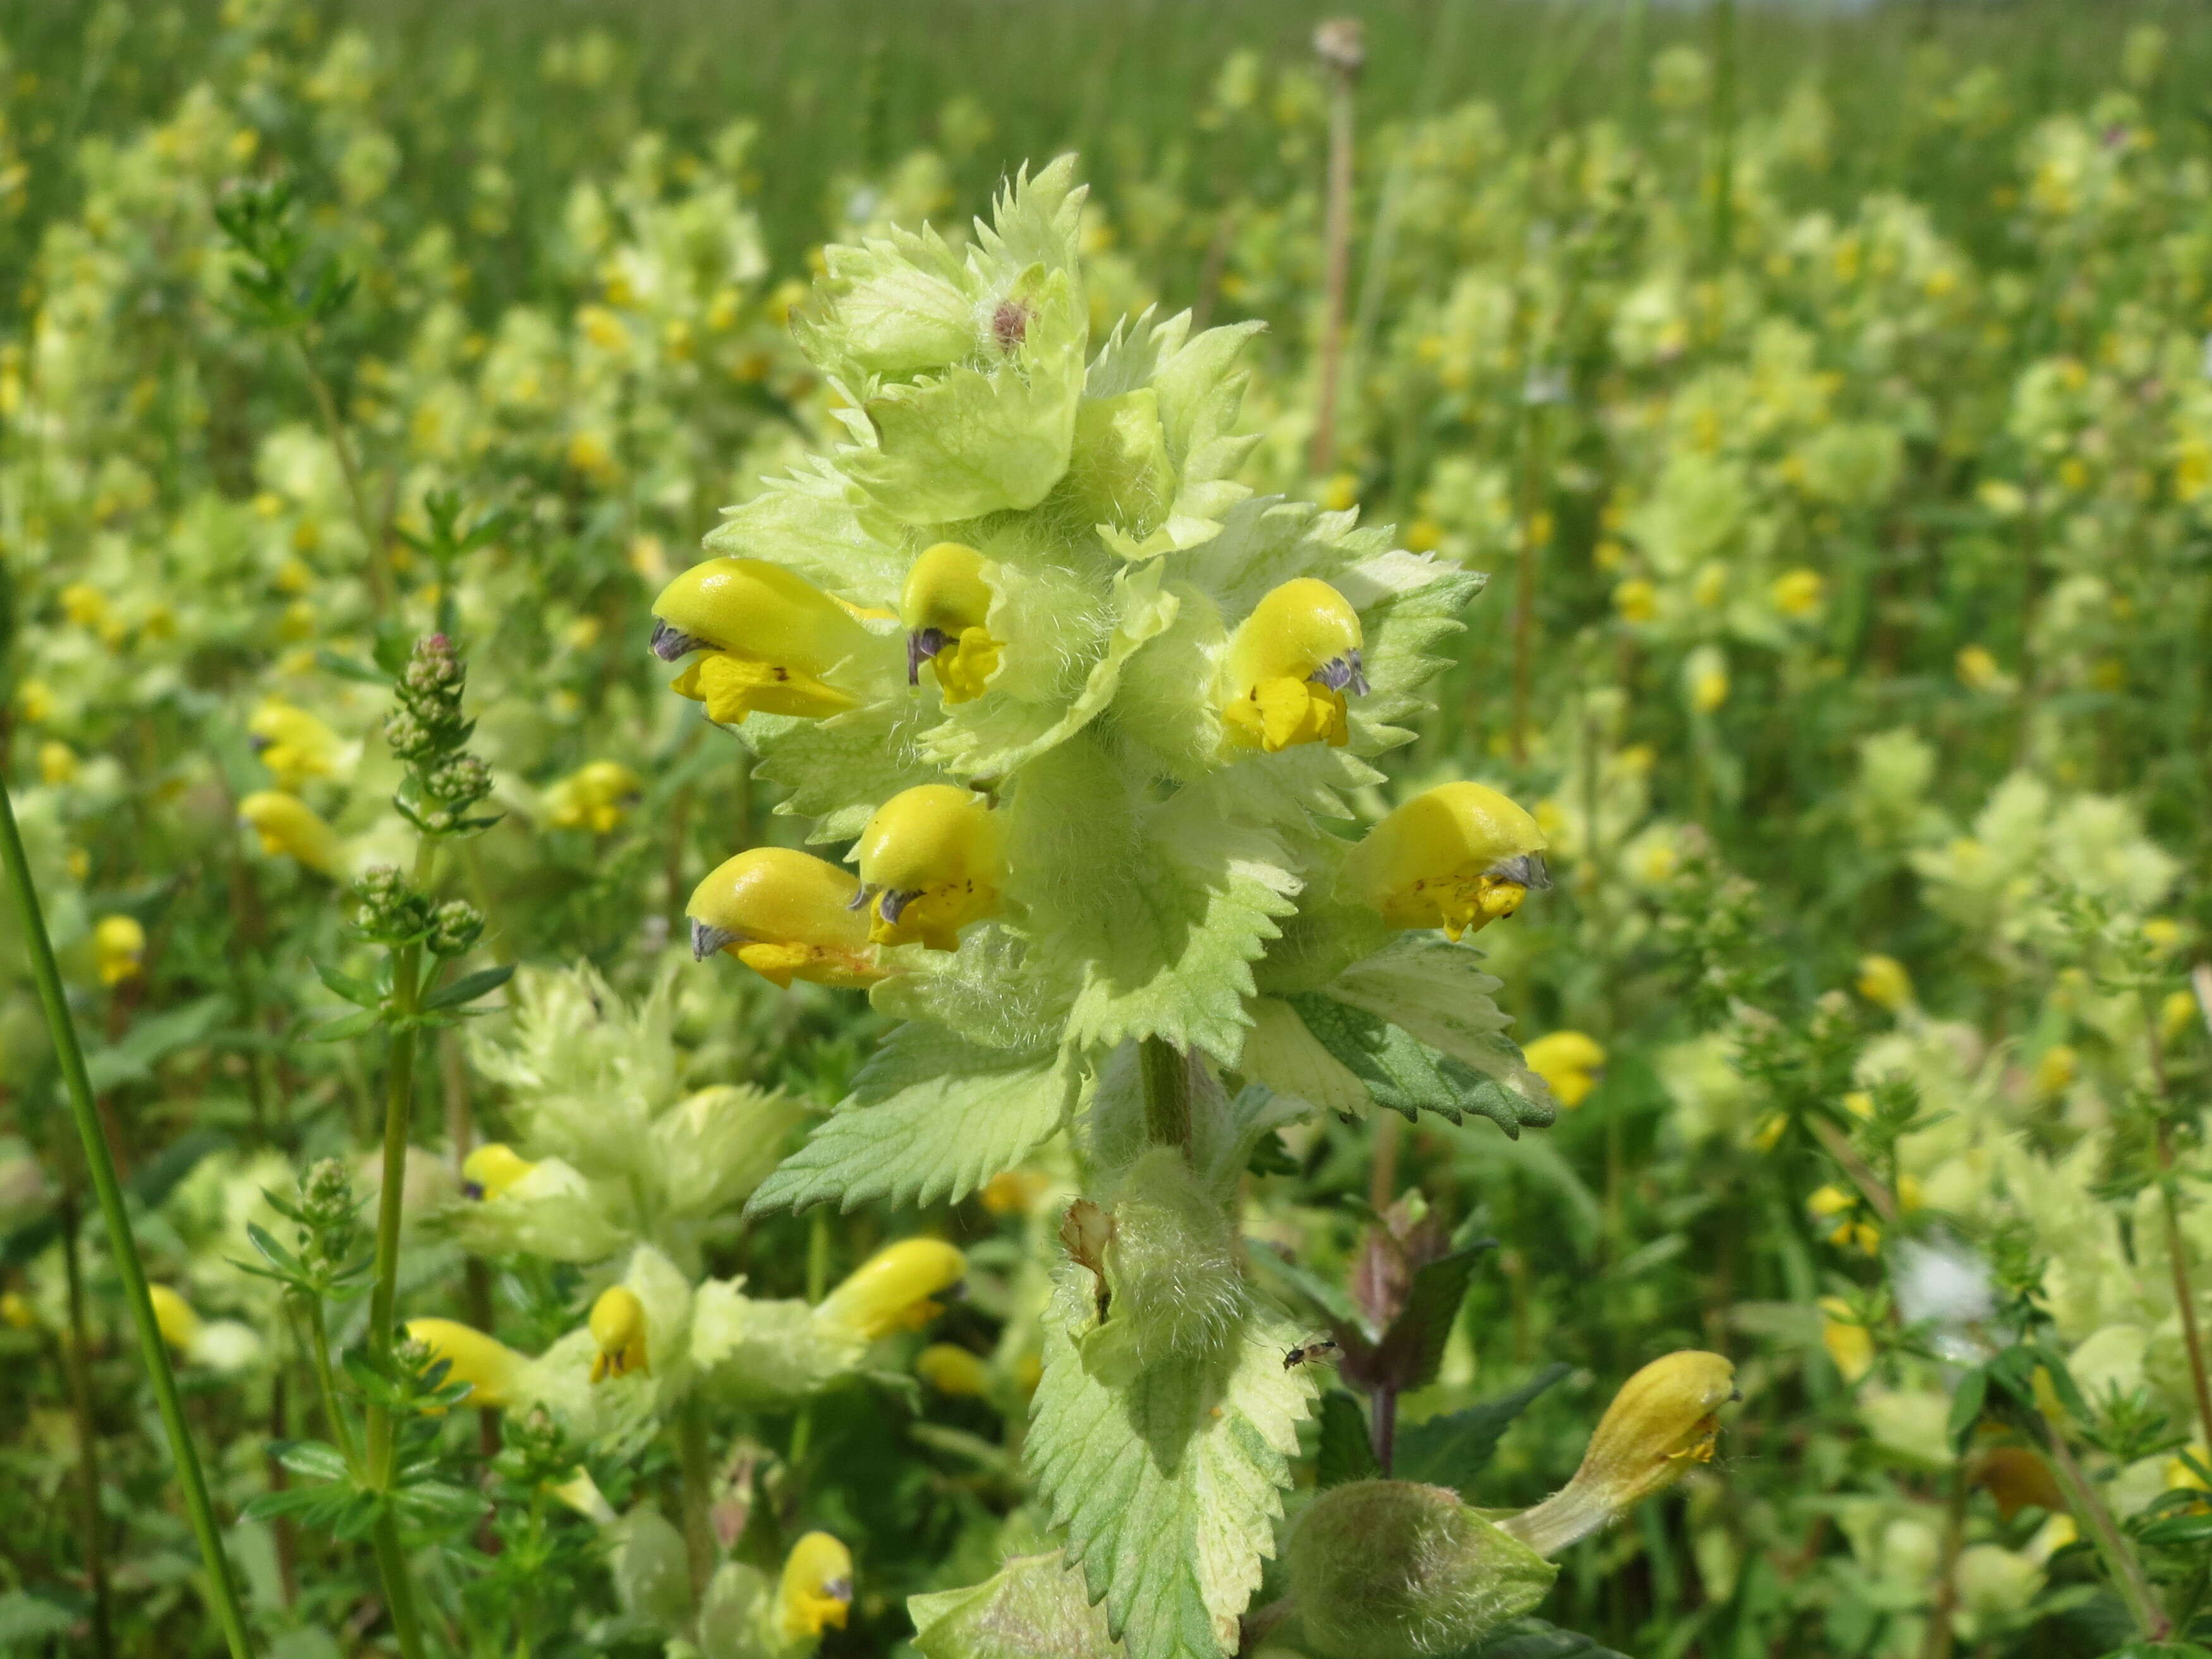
[1664, 1419]
[491, 1169]
[488, 1366]
[786, 915]
[288, 826]
[770, 637]
[1569, 1062]
[932, 860]
[1394, 1570]
[617, 1326]
[118, 949]
[892, 1289]
[816, 1591]
[943, 605]
[1291, 663]
[1457, 857]
[455, 926]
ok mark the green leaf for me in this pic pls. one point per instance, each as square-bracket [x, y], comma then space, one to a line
[1406, 1076]
[318, 1460]
[349, 1026]
[1345, 1453]
[1438, 993]
[2178, 1529]
[358, 992]
[1408, 605]
[1033, 1607]
[1169, 1489]
[1413, 1348]
[1967, 1402]
[469, 986]
[930, 1118]
[839, 770]
[1452, 1449]
[27, 1617]
[153, 1040]
[1532, 1638]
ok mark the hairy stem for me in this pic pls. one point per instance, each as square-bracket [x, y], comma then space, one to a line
[1167, 1093]
[2177, 1244]
[223, 1589]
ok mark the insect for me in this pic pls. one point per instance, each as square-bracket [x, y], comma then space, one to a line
[1320, 1348]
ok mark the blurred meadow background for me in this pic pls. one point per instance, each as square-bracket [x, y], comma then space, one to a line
[1827, 393]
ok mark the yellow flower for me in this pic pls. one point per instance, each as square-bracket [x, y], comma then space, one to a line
[1799, 593]
[293, 744]
[1849, 1342]
[491, 1169]
[931, 861]
[1883, 980]
[57, 763]
[1456, 857]
[1977, 669]
[2179, 1477]
[943, 606]
[596, 796]
[179, 1322]
[2058, 1068]
[617, 1326]
[2162, 935]
[488, 1366]
[2175, 1015]
[1012, 1192]
[1767, 1134]
[816, 1591]
[1291, 663]
[891, 1290]
[786, 915]
[1638, 600]
[1664, 1419]
[1424, 535]
[289, 825]
[1840, 1206]
[16, 1311]
[770, 639]
[119, 946]
[950, 1368]
[1705, 676]
[1569, 1062]
[34, 702]
[1341, 493]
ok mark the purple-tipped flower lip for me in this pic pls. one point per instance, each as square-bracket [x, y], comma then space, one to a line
[471, 1189]
[1527, 868]
[921, 645]
[671, 643]
[1343, 673]
[892, 905]
[706, 939]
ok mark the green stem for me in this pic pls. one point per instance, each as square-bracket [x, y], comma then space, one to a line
[1723, 132]
[383, 1293]
[380, 582]
[2120, 1561]
[326, 1384]
[223, 1590]
[77, 1365]
[696, 1466]
[2176, 1244]
[1167, 1093]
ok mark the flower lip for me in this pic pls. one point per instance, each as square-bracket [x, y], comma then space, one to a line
[1343, 673]
[1527, 868]
[922, 644]
[671, 643]
[892, 905]
[706, 938]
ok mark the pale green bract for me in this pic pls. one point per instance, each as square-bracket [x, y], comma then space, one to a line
[1035, 1607]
